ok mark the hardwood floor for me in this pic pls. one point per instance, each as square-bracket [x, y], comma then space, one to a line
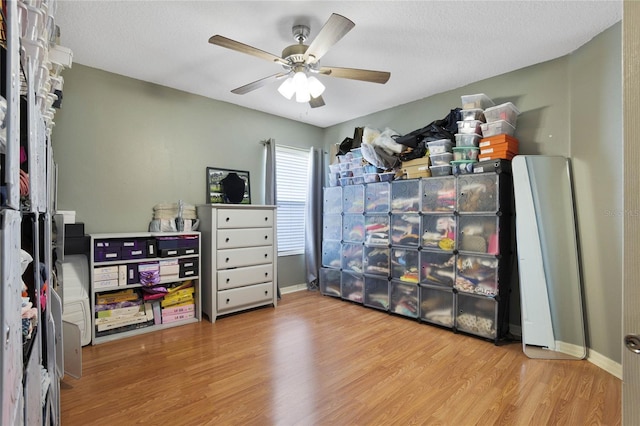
[316, 360]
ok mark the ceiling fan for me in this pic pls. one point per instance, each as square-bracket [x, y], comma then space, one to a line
[299, 60]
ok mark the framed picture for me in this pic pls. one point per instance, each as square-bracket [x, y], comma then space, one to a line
[228, 186]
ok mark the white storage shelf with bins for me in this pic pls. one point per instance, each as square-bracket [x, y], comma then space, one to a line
[240, 257]
[434, 249]
[143, 282]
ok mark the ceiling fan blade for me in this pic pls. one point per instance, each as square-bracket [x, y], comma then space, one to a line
[355, 74]
[244, 48]
[258, 83]
[333, 30]
[316, 102]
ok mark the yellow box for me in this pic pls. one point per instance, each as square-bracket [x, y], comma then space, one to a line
[423, 161]
[418, 171]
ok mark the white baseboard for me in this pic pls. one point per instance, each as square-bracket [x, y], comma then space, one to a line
[608, 365]
[292, 288]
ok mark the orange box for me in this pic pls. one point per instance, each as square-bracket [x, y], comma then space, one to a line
[501, 154]
[498, 141]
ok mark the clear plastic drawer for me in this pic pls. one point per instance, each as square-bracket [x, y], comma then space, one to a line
[405, 264]
[403, 299]
[477, 274]
[376, 260]
[331, 253]
[353, 199]
[376, 292]
[405, 229]
[332, 201]
[377, 196]
[478, 193]
[437, 306]
[352, 257]
[405, 195]
[352, 286]
[439, 194]
[479, 234]
[477, 315]
[330, 282]
[376, 230]
[437, 267]
[438, 232]
[332, 227]
[353, 228]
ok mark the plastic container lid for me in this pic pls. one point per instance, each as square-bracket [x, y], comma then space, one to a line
[507, 112]
[479, 100]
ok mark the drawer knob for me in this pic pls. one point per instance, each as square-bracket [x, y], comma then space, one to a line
[266, 274]
[228, 300]
[266, 237]
[227, 259]
[266, 218]
[227, 220]
[266, 292]
[226, 240]
[228, 280]
[266, 254]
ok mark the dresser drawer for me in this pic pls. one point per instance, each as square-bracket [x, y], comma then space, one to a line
[245, 296]
[239, 277]
[232, 238]
[231, 218]
[232, 258]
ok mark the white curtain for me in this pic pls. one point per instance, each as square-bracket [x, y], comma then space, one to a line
[313, 218]
[270, 179]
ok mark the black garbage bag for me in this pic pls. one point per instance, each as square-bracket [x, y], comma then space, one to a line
[438, 129]
[345, 146]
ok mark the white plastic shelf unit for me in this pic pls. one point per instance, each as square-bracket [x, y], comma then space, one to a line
[118, 261]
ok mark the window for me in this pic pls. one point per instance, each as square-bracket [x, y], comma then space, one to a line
[291, 193]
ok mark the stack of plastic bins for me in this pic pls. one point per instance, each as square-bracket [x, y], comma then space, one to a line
[331, 242]
[405, 240]
[437, 251]
[352, 281]
[484, 264]
[376, 245]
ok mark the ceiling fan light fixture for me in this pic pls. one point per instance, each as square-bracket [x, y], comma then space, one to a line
[303, 95]
[287, 88]
[316, 88]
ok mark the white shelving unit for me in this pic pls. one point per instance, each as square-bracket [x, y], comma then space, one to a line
[152, 253]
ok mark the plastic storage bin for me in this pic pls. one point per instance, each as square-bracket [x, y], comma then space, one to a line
[376, 260]
[497, 128]
[353, 199]
[477, 315]
[330, 282]
[479, 100]
[438, 232]
[405, 264]
[377, 197]
[352, 257]
[332, 227]
[352, 286]
[478, 193]
[405, 229]
[437, 306]
[472, 127]
[479, 234]
[345, 181]
[437, 171]
[356, 153]
[507, 112]
[386, 177]
[353, 228]
[462, 167]
[437, 267]
[376, 230]
[371, 178]
[477, 274]
[376, 292]
[473, 114]
[439, 146]
[439, 195]
[441, 159]
[468, 139]
[405, 196]
[331, 254]
[465, 153]
[332, 200]
[403, 299]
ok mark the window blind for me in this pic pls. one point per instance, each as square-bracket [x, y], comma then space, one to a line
[291, 191]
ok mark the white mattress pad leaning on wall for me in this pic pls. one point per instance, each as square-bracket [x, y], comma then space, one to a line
[165, 215]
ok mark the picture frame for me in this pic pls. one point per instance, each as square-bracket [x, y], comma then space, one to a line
[215, 190]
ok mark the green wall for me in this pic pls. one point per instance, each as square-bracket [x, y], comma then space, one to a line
[123, 145]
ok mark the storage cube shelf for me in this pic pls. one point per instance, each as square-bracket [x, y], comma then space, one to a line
[143, 282]
[433, 249]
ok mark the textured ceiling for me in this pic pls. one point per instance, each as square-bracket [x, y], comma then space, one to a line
[428, 46]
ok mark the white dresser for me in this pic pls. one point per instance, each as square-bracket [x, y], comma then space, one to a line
[239, 257]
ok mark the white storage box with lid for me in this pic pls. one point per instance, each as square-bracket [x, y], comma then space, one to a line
[507, 112]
